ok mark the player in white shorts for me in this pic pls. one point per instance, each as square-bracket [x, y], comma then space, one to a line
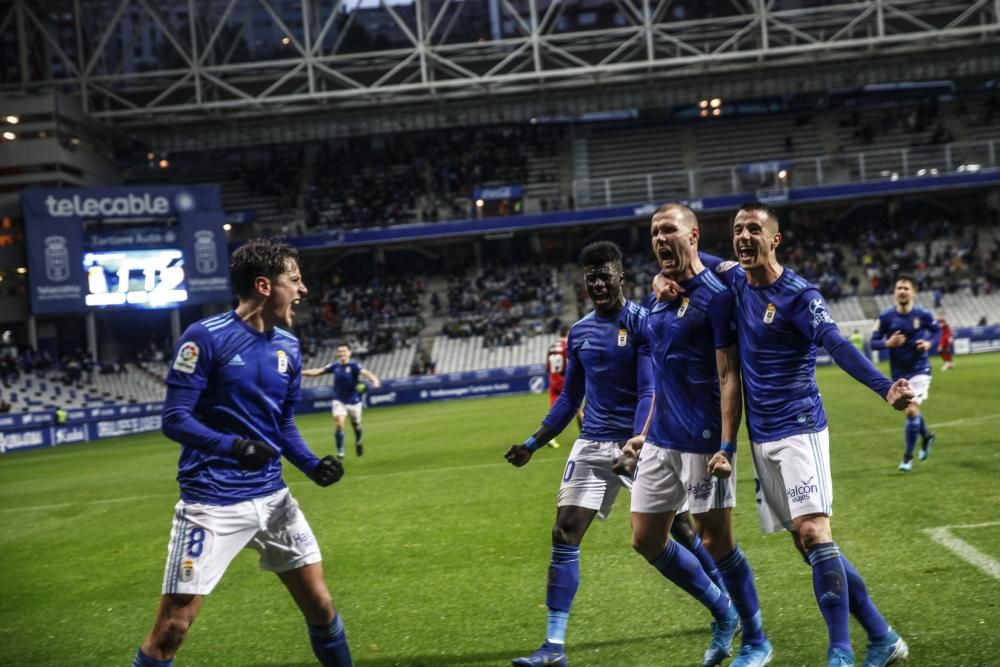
[608, 365]
[231, 393]
[782, 319]
[689, 441]
[909, 333]
[205, 538]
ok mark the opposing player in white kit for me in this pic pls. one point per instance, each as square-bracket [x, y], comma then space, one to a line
[608, 364]
[231, 393]
[781, 320]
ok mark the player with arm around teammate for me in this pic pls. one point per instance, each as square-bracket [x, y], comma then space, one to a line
[609, 366]
[909, 332]
[686, 458]
[347, 376]
[231, 393]
[781, 319]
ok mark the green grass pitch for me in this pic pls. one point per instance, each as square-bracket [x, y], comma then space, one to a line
[436, 549]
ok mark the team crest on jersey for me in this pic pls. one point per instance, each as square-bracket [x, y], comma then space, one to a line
[769, 313]
[282, 362]
[916, 322]
[683, 307]
[622, 337]
[187, 570]
[187, 357]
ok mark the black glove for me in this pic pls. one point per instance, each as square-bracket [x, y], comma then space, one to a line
[253, 454]
[328, 471]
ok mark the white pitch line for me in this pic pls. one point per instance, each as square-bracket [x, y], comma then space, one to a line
[393, 473]
[964, 550]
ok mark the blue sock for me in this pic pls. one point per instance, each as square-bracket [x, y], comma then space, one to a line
[830, 587]
[329, 644]
[339, 437]
[357, 436]
[912, 431]
[708, 564]
[923, 426]
[143, 660]
[862, 607]
[564, 580]
[738, 574]
[678, 565]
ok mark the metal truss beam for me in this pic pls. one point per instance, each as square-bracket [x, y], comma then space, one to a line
[142, 63]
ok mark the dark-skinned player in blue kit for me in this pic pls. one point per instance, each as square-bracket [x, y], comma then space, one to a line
[685, 460]
[909, 332]
[232, 387]
[781, 320]
[608, 365]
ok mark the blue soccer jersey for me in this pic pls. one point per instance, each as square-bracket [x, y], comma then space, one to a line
[779, 327]
[608, 362]
[228, 381]
[683, 336]
[906, 360]
[345, 380]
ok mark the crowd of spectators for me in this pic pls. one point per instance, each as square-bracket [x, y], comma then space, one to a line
[942, 255]
[386, 180]
[503, 304]
[381, 314]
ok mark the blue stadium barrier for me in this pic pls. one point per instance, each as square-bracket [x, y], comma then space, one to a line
[39, 429]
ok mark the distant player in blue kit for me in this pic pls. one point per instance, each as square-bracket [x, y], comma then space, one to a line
[909, 332]
[347, 376]
[611, 367]
[231, 393]
[686, 455]
[781, 320]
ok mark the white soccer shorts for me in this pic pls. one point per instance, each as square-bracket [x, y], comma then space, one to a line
[793, 479]
[340, 409]
[587, 479]
[667, 480]
[921, 385]
[205, 539]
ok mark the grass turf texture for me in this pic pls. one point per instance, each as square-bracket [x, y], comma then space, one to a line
[436, 549]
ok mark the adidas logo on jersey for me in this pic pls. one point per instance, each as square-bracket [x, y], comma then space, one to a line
[237, 361]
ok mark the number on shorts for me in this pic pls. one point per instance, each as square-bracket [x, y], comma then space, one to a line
[570, 467]
[196, 541]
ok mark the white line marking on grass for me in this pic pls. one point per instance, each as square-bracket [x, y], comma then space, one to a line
[946, 424]
[963, 549]
[394, 473]
[101, 501]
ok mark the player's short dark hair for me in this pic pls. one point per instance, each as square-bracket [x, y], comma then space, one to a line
[908, 278]
[601, 252]
[344, 343]
[259, 257]
[687, 211]
[761, 206]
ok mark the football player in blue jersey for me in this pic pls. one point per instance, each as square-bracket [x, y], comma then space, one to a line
[231, 393]
[686, 453]
[781, 320]
[909, 332]
[347, 376]
[609, 365]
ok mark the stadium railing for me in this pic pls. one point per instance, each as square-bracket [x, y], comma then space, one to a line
[854, 167]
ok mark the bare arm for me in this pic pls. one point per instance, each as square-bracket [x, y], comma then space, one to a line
[727, 363]
[313, 372]
[368, 375]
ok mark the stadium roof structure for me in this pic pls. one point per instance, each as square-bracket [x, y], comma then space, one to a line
[382, 65]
